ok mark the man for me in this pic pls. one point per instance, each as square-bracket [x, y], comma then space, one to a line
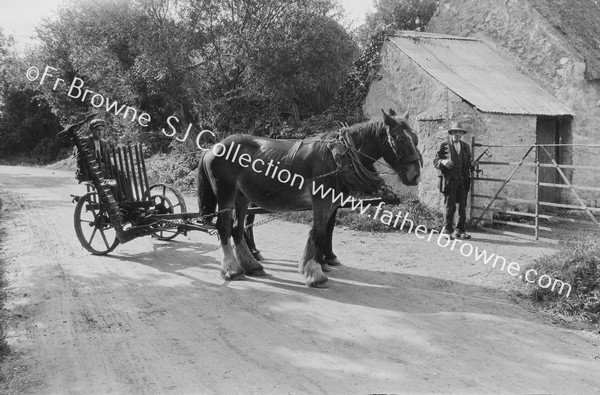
[453, 160]
[98, 145]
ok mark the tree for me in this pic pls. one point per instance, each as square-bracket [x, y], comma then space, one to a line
[222, 65]
[403, 14]
[398, 15]
[269, 57]
[26, 123]
[106, 45]
[304, 62]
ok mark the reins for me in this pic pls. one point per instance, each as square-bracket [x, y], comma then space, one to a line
[359, 176]
[356, 174]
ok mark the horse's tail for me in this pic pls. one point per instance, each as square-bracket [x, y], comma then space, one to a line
[207, 200]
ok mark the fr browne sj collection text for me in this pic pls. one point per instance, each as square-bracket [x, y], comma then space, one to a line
[76, 91]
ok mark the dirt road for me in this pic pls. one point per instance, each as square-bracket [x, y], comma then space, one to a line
[402, 315]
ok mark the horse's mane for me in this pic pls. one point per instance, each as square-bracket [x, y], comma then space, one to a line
[361, 178]
[359, 132]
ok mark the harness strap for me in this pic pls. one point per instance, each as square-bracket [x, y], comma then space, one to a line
[394, 147]
[354, 174]
[410, 158]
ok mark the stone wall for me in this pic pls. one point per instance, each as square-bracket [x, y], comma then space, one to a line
[404, 86]
[515, 30]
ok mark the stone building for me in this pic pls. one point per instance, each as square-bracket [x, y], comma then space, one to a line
[519, 71]
[441, 78]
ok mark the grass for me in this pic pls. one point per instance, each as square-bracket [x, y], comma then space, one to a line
[67, 164]
[577, 263]
[21, 160]
[4, 349]
[417, 212]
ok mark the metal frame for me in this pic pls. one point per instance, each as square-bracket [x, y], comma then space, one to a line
[538, 148]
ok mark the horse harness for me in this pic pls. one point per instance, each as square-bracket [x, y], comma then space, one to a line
[348, 163]
[346, 157]
[394, 147]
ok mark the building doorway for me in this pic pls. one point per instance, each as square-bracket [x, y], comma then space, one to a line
[553, 130]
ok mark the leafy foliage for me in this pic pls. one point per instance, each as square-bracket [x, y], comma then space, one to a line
[397, 15]
[224, 66]
[162, 169]
[121, 51]
[578, 264]
[26, 121]
[353, 92]
[403, 14]
[269, 61]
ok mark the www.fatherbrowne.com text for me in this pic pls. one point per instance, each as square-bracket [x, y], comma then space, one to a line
[390, 219]
[76, 91]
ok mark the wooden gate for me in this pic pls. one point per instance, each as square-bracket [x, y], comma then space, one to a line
[550, 178]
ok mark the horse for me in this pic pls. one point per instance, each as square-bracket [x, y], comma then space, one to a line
[233, 181]
[249, 236]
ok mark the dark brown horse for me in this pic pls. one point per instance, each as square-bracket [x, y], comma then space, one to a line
[282, 176]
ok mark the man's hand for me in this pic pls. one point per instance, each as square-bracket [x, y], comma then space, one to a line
[447, 163]
[474, 163]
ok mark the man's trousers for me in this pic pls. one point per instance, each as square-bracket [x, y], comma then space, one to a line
[456, 193]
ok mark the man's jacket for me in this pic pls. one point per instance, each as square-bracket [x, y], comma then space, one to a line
[460, 170]
[102, 159]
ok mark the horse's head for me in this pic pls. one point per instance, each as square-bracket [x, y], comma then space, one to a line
[399, 148]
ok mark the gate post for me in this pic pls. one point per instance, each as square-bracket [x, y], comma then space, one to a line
[472, 201]
[537, 192]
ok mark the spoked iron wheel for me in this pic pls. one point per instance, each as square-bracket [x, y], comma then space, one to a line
[166, 200]
[93, 227]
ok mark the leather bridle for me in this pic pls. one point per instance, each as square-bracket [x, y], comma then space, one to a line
[392, 142]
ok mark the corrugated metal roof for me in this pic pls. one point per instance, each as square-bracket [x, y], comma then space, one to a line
[474, 72]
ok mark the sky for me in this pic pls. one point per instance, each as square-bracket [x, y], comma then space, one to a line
[356, 9]
[19, 17]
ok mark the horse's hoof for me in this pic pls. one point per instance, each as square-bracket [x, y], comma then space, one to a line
[237, 276]
[325, 267]
[257, 273]
[333, 261]
[257, 256]
[321, 283]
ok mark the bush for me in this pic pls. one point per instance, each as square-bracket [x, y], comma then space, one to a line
[577, 263]
[418, 213]
[69, 164]
[170, 169]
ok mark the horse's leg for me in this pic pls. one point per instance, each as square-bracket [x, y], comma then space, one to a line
[249, 237]
[312, 260]
[230, 268]
[240, 248]
[330, 257]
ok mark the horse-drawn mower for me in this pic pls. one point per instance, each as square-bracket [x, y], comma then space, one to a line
[120, 205]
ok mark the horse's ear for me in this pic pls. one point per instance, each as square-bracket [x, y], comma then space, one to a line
[392, 113]
[388, 120]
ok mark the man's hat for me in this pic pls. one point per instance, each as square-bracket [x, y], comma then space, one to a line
[97, 122]
[456, 127]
